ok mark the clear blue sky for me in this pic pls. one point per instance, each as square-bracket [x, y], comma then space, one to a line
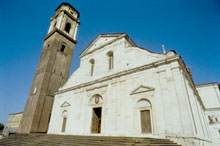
[191, 27]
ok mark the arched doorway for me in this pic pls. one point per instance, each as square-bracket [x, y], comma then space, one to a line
[96, 102]
[145, 116]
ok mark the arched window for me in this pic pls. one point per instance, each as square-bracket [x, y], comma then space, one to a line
[96, 99]
[92, 63]
[67, 27]
[110, 60]
[62, 48]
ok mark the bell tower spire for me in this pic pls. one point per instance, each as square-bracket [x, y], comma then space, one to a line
[52, 70]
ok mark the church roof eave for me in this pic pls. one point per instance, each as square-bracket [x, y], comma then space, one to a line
[191, 82]
[207, 84]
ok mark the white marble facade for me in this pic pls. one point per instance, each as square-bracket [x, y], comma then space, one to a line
[210, 95]
[125, 80]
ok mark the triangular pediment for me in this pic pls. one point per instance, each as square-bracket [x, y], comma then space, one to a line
[103, 40]
[142, 89]
[65, 104]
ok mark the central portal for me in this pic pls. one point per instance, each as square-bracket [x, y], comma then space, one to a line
[146, 121]
[96, 120]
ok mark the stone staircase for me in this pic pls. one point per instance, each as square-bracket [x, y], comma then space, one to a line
[70, 140]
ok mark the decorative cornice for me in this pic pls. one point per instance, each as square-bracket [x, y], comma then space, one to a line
[61, 33]
[68, 14]
[73, 18]
[97, 87]
[207, 84]
[213, 109]
[123, 73]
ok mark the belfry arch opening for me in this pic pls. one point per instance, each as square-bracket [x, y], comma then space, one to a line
[67, 27]
[62, 48]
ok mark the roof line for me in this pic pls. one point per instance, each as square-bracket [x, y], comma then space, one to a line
[15, 113]
[212, 83]
[64, 3]
[106, 34]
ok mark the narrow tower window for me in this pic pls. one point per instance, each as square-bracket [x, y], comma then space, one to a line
[67, 27]
[62, 48]
[92, 63]
[110, 60]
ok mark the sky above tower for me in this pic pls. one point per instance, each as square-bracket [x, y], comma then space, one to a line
[191, 28]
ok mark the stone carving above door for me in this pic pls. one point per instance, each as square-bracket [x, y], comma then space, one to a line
[65, 104]
[142, 89]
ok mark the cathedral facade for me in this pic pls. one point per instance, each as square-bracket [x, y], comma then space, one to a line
[119, 89]
[123, 90]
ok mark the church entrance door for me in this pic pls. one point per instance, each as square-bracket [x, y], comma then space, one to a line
[96, 120]
[145, 121]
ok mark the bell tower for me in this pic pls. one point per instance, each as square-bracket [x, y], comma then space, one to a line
[52, 70]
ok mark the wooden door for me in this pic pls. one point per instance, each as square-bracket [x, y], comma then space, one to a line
[99, 124]
[146, 121]
[96, 120]
[64, 124]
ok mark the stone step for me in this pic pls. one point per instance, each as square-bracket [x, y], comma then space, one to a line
[71, 140]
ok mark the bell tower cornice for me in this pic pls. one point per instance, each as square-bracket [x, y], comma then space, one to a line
[67, 13]
[61, 33]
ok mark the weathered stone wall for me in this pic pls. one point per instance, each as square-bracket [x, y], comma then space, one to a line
[13, 123]
[210, 96]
